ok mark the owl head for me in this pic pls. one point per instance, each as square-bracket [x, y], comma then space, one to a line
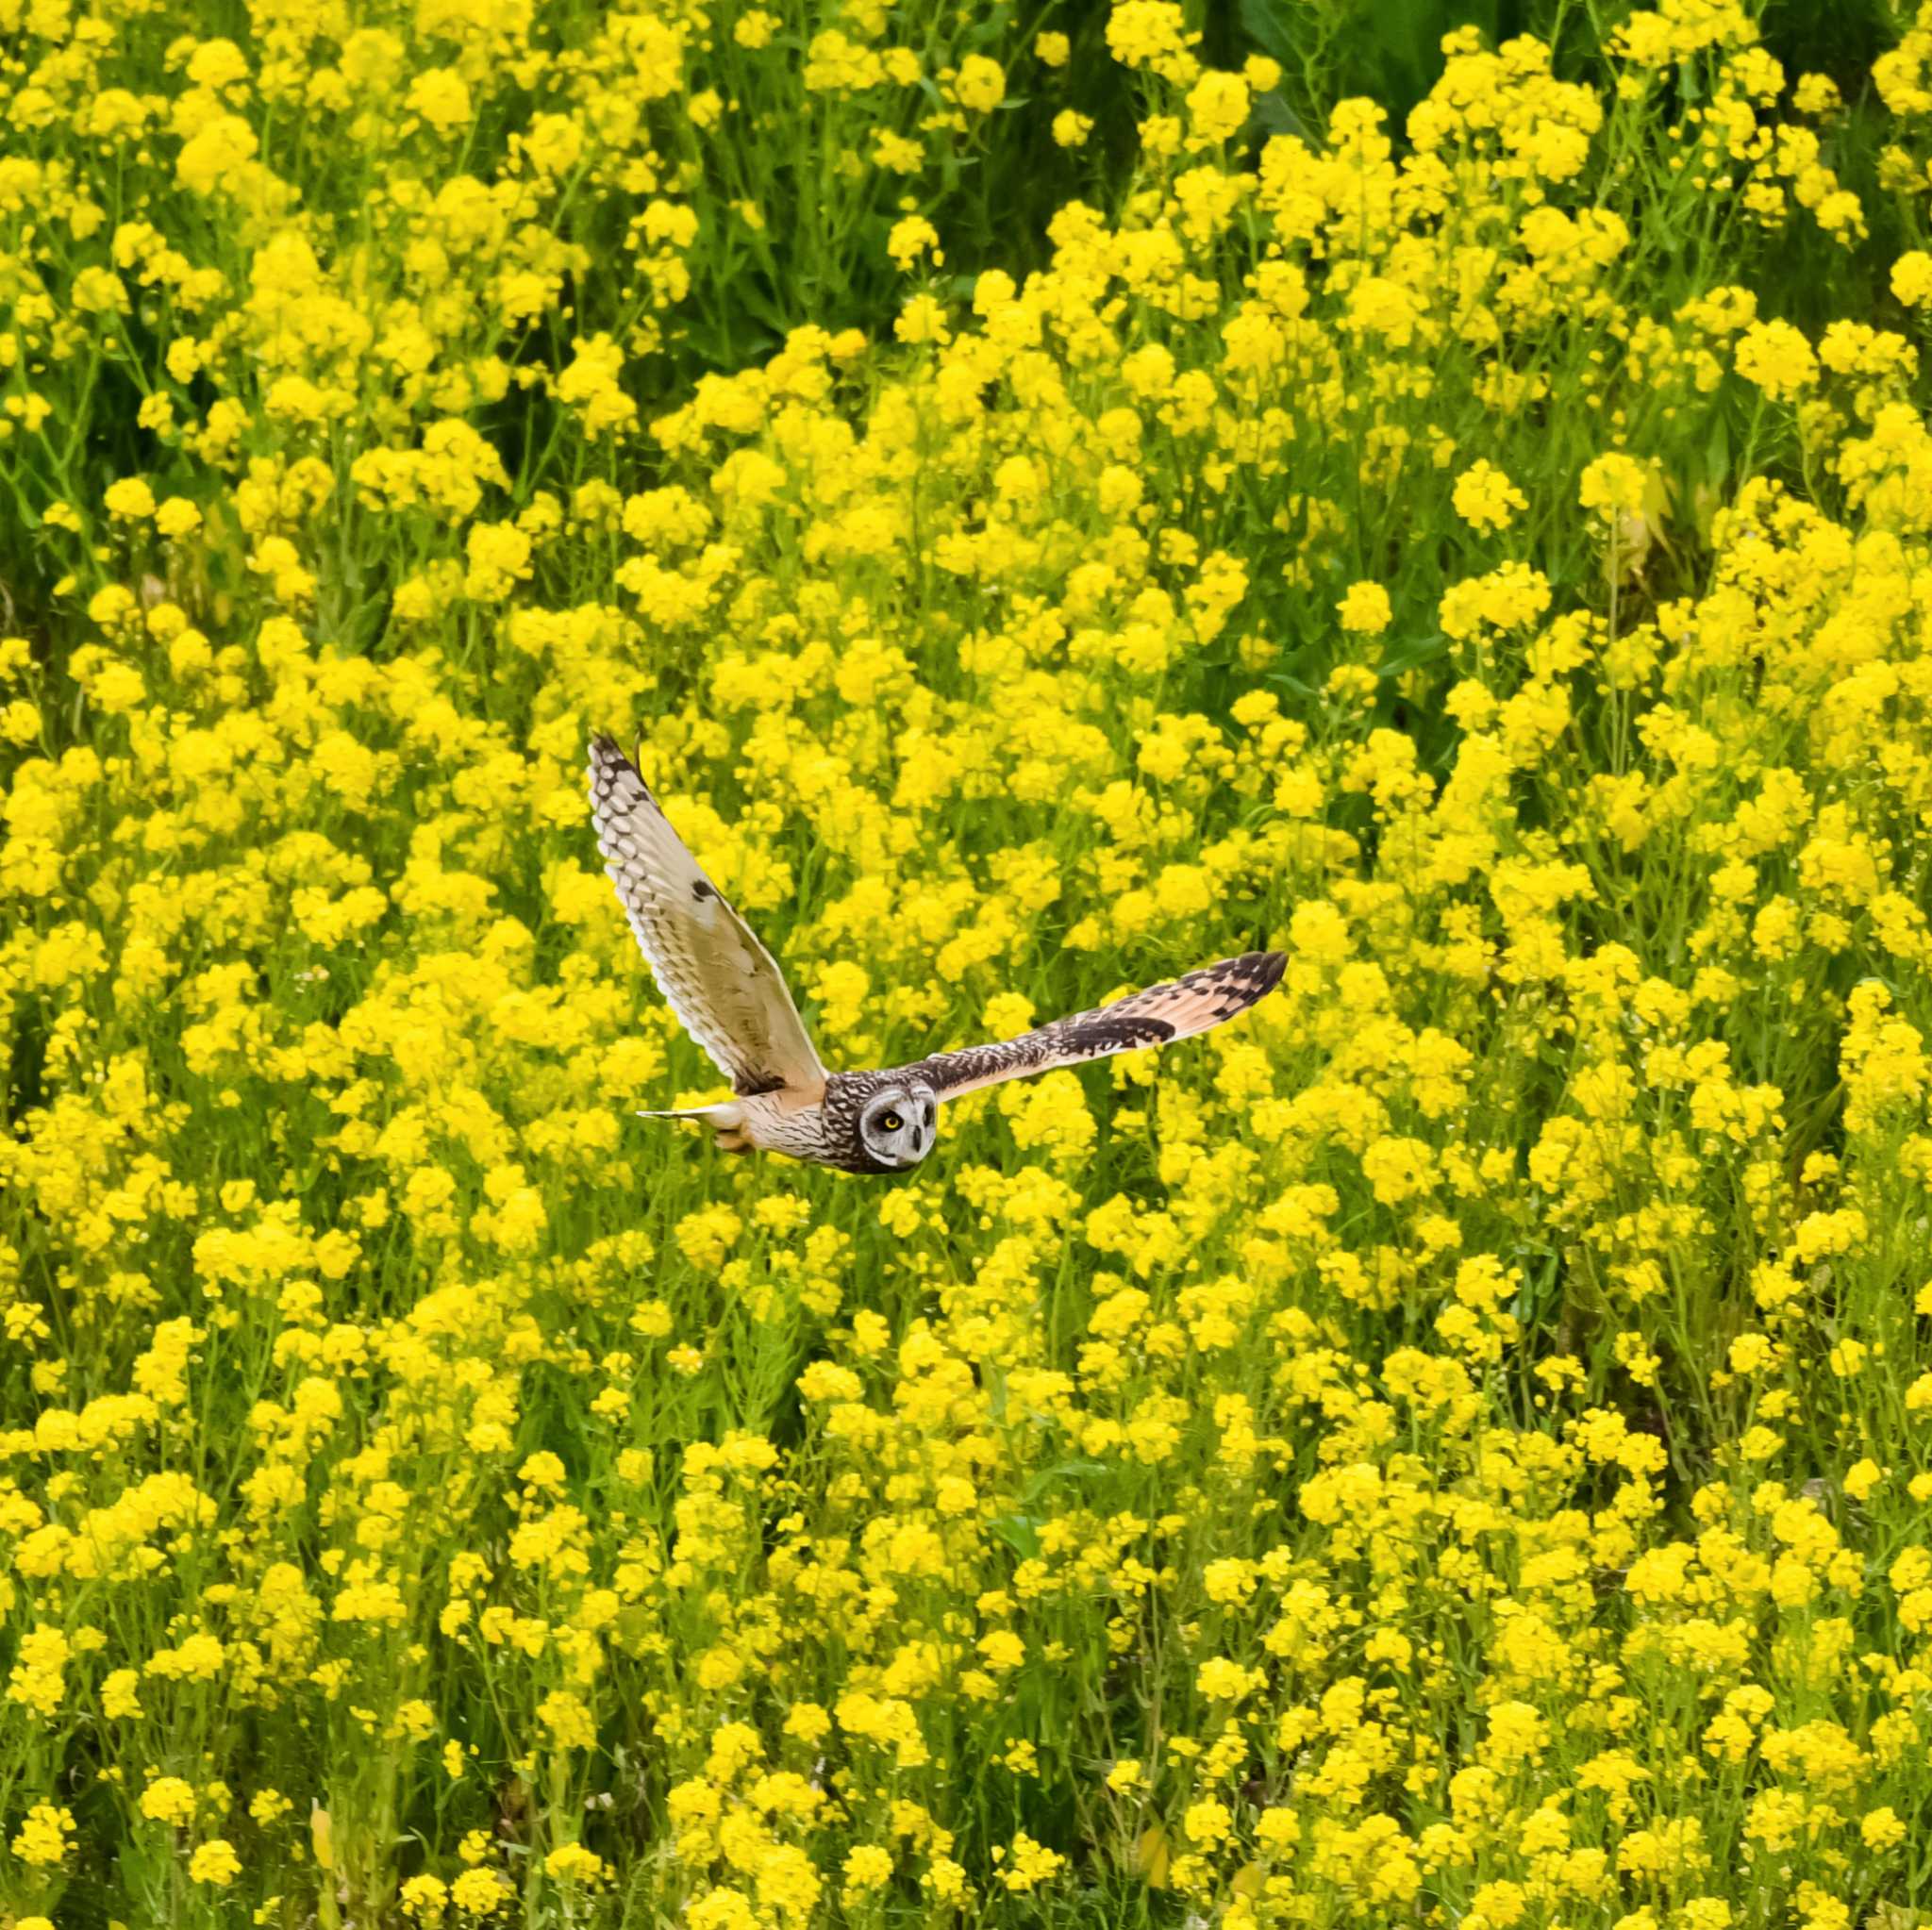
[898, 1124]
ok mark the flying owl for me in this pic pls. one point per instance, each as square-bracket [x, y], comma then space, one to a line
[728, 995]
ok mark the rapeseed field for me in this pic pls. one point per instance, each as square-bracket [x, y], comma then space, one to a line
[1058, 497]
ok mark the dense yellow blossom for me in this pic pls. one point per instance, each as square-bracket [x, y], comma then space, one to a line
[1449, 1448]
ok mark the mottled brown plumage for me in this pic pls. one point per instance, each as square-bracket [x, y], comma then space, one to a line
[729, 996]
[1157, 1016]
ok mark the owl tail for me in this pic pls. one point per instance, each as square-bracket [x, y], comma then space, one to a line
[725, 1119]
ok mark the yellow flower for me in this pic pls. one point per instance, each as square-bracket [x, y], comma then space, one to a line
[1614, 485]
[177, 517]
[569, 1721]
[439, 96]
[1221, 1680]
[214, 1862]
[1002, 1650]
[214, 155]
[1777, 359]
[1217, 106]
[1365, 609]
[42, 1839]
[980, 85]
[478, 1892]
[1028, 1864]
[1881, 1829]
[130, 499]
[1486, 498]
[922, 319]
[1911, 278]
[574, 1863]
[425, 1898]
[867, 1867]
[912, 238]
[1207, 1823]
[1151, 33]
[168, 1798]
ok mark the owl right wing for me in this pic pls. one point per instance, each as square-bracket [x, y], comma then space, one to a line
[724, 987]
[1157, 1016]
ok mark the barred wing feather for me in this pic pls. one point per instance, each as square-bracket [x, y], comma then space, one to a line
[724, 985]
[1157, 1016]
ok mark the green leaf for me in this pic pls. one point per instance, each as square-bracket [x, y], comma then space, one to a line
[1021, 1533]
[1262, 23]
[1272, 115]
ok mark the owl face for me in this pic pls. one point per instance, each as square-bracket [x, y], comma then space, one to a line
[899, 1124]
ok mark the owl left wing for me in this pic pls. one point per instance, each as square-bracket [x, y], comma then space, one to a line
[724, 987]
[1157, 1016]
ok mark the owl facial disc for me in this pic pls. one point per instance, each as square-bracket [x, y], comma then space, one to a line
[900, 1124]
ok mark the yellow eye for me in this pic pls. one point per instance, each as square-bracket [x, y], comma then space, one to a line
[892, 1122]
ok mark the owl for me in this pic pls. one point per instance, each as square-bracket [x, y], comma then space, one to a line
[728, 995]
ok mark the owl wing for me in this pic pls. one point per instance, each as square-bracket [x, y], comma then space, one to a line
[721, 983]
[1157, 1016]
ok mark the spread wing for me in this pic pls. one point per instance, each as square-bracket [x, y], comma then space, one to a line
[721, 983]
[1162, 1013]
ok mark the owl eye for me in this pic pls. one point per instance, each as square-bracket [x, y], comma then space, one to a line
[892, 1122]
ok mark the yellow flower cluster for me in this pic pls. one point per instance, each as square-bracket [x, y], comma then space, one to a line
[1452, 1447]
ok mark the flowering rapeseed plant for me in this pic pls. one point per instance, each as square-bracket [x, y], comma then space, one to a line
[1452, 1449]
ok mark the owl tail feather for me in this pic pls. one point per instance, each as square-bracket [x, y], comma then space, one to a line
[726, 1120]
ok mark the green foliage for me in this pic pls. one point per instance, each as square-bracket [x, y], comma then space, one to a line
[1449, 1446]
